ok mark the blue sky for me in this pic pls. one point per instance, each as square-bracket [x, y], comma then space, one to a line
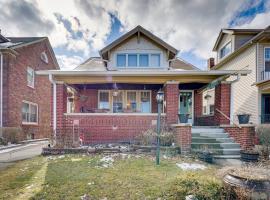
[82, 27]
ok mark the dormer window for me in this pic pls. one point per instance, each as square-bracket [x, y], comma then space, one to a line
[132, 60]
[224, 51]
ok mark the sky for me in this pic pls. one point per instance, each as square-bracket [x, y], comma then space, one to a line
[78, 29]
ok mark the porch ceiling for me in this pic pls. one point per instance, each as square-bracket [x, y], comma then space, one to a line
[145, 77]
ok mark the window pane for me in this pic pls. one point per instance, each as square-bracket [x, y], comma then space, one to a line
[121, 60]
[131, 101]
[33, 113]
[208, 102]
[118, 102]
[132, 60]
[267, 59]
[104, 100]
[25, 112]
[155, 60]
[30, 77]
[144, 60]
[145, 102]
[225, 50]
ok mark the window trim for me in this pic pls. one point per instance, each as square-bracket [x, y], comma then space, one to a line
[264, 49]
[138, 60]
[220, 58]
[124, 97]
[31, 86]
[31, 123]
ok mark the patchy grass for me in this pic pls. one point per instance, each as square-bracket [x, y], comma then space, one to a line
[71, 176]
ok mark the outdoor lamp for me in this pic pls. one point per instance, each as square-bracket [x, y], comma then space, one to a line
[160, 97]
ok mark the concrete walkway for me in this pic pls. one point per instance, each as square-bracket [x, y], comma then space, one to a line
[25, 151]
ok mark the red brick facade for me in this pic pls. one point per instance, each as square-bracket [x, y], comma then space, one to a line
[245, 135]
[15, 89]
[183, 137]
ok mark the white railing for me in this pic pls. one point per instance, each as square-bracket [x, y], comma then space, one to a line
[264, 76]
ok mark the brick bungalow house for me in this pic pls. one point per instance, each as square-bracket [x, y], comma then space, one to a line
[112, 98]
[24, 99]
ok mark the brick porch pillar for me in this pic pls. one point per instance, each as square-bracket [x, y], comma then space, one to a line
[61, 105]
[222, 103]
[183, 137]
[171, 94]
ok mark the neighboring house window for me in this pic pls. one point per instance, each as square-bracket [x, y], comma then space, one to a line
[29, 112]
[121, 60]
[224, 51]
[208, 102]
[145, 102]
[267, 59]
[155, 60]
[131, 101]
[104, 100]
[138, 60]
[30, 77]
[44, 57]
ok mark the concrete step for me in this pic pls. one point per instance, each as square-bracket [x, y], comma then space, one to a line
[215, 145]
[202, 139]
[211, 135]
[222, 151]
[207, 130]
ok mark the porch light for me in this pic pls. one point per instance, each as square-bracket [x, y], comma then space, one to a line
[159, 98]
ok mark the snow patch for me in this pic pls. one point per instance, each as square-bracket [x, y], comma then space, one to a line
[191, 166]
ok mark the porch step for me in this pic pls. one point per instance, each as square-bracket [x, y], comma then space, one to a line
[216, 140]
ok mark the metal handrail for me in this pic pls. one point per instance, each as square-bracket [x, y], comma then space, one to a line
[224, 115]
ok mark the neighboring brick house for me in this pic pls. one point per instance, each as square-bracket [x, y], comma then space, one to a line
[112, 98]
[246, 49]
[25, 96]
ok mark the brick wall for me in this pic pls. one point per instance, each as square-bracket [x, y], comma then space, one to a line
[172, 102]
[16, 89]
[245, 136]
[90, 103]
[61, 107]
[106, 128]
[183, 137]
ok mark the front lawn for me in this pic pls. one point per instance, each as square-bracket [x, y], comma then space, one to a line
[119, 176]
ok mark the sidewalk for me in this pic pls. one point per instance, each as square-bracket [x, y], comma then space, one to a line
[4, 147]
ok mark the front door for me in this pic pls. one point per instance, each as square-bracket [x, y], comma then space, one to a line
[265, 108]
[186, 104]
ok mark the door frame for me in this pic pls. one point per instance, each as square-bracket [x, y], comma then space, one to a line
[263, 105]
[192, 92]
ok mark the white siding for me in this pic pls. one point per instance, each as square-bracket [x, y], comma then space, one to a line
[245, 96]
[144, 46]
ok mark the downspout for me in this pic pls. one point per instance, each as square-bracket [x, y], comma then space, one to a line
[54, 105]
[1, 94]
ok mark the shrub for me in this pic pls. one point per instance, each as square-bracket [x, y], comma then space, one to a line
[149, 137]
[263, 132]
[12, 134]
[201, 186]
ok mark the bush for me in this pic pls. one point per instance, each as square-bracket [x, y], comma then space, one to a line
[263, 132]
[12, 134]
[201, 186]
[149, 137]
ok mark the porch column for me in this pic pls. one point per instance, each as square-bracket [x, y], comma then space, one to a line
[171, 93]
[61, 105]
[222, 103]
[183, 137]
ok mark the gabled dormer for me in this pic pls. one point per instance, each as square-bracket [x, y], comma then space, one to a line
[138, 49]
[230, 40]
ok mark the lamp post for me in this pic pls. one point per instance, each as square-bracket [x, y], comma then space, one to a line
[159, 98]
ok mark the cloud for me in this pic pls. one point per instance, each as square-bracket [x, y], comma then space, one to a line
[68, 62]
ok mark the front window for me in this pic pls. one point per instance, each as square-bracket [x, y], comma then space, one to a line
[131, 101]
[208, 102]
[224, 51]
[118, 101]
[30, 77]
[29, 112]
[267, 59]
[121, 60]
[104, 100]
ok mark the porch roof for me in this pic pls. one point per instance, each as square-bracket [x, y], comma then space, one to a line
[139, 76]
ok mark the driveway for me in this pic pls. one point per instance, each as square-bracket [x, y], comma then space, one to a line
[10, 156]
